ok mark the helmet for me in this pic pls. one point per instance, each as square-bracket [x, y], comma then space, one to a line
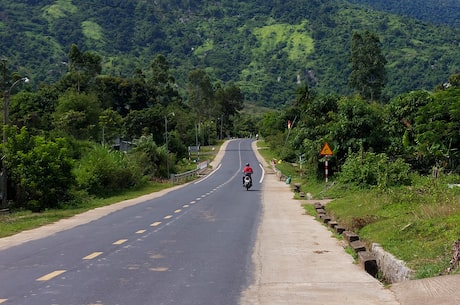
[247, 164]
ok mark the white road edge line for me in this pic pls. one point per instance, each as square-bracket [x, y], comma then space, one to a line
[263, 173]
[209, 175]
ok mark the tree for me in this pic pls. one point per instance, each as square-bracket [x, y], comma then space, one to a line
[114, 93]
[110, 123]
[357, 125]
[368, 73]
[77, 114]
[454, 80]
[162, 85]
[34, 109]
[400, 125]
[41, 170]
[140, 97]
[317, 114]
[245, 126]
[437, 130]
[423, 128]
[83, 69]
[201, 94]
[271, 123]
[145, 122]
[230, 101]
[304, 97]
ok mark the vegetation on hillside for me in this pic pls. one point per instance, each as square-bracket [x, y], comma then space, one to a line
[432, 11]
[268, 50]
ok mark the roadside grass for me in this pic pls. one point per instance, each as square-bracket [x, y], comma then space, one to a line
[417, 227]
[310, 210]
[18, 221]
[417, 224]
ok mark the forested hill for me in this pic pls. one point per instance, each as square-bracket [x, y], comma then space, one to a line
[434, 11]
[267, 48]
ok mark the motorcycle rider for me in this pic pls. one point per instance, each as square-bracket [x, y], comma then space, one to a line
[247, 171]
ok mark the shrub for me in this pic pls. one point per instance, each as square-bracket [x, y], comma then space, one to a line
[152, 159]
[103, 172]
[41, 169]
[370, 169]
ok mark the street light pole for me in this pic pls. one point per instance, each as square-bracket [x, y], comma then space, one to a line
[166, 141]
[221, 122]
[6, 109]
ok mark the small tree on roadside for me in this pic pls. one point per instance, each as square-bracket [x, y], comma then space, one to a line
[40, 169]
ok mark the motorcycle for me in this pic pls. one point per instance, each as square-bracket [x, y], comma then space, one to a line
[247, 182]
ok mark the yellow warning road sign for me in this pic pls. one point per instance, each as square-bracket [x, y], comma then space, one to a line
[326, 150]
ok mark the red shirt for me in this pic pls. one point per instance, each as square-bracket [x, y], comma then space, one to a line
[247, 169]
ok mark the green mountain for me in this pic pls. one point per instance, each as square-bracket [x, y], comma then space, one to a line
[434, 11]
[268, 49]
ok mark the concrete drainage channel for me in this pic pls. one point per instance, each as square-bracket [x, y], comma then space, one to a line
[375, 261]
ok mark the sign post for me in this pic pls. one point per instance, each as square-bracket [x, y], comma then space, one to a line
[326, 151]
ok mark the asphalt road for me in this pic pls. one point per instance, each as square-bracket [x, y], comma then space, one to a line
[192, 245]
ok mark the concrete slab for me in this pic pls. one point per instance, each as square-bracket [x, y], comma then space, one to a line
[441, 290]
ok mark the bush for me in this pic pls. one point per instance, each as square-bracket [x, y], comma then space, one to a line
[103, 172]
[370, 169]
[41, 169]
[152, 159]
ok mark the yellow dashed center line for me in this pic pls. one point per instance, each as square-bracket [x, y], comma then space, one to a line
[92, 255]
[134, 267]
[51, 275]
[159, 269]
[121, 241]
